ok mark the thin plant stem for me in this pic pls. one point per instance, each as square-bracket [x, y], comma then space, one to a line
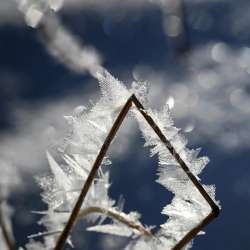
[180, 40]
[215, 209]
[121, 217]
[44, 234]
[73, 217]
[110, 213]
[6, 234]
[190, 235]
[177, 157]
[76, 210]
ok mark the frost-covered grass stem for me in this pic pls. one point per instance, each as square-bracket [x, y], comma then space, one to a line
[111, 213]
[76, 210]
[189, 236]
[215, 209]
[75, 213]
[116, 215]
[177, 157]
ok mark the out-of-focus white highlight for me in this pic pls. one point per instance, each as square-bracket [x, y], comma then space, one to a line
[172, 25]
[189, 128]
[170, 102]
[33, 16]
[56, 4]
[219, 52]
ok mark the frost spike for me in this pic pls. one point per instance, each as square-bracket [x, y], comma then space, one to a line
[58, 172]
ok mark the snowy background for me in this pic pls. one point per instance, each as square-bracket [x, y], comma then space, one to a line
[204, 68]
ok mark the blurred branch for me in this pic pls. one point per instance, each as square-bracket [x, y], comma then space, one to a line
[66, 48]
[6, 234]
[175, 25]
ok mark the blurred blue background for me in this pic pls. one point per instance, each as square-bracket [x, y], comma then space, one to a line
[204, 66]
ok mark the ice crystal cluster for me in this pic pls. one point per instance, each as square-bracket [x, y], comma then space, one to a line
[88, 128]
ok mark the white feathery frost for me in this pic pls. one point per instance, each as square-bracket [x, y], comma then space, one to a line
[88, 128]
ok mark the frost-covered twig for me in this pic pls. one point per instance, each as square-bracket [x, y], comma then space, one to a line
[189, 236]
[111, 213]
[118, 216]
[133, 100]
[75, 213]
[66, 48]
[85, 159]
[177, 157]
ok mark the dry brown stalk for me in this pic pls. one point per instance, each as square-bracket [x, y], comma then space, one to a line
[76, 210]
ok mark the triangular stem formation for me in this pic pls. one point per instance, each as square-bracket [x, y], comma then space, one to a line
[76, 210]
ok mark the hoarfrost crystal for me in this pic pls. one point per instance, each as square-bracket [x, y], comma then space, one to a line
[88, 128]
